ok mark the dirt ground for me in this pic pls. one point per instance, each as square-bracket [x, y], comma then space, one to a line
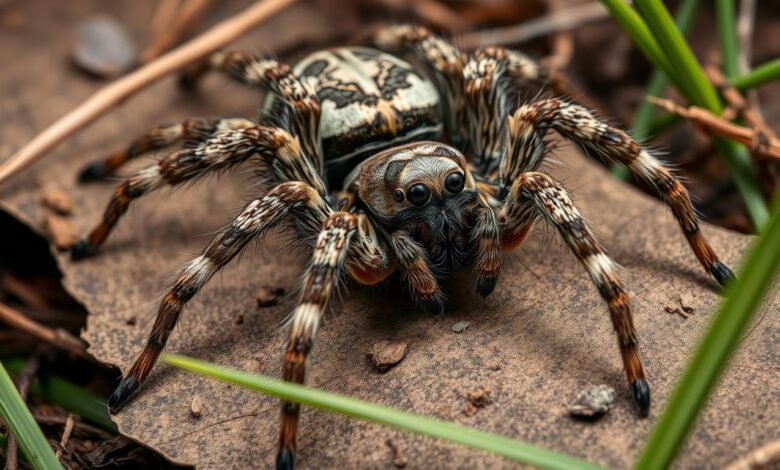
[542, 336]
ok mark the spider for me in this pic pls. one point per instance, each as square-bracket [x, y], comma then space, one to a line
[352, 143]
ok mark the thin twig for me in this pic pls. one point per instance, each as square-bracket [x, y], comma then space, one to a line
[759, 458]
[117, 92]
[430, 12]
[58, 338]
[183, 22]
[29, 371]
[553, 22]
[78, 425]
[717, 125]
[65, 436]
[562, 41]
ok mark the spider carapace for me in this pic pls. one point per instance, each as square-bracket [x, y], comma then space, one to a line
[352, 144]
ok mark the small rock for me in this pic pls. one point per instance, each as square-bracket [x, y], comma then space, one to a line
[675, 311]
[239, 319]
[399, 460]
[268, 296]
[460, 326]
[131, 321]
[480, 398]
[62, 232]
[103, 48]
[386, 354]
[57, 200]
[592, 403]
[196, 407]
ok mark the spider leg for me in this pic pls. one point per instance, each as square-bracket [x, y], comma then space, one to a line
[444, 62]
[368, 261]
[193, 131]
[413, 261]
[534, 194]
[280, 151]
[486, 237]
[301, 106]
[328, 259]
[526, 149]
[255, 219]
[492, 77]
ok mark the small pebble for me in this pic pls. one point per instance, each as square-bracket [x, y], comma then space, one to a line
[592, 403]
[480, 398]
[57, 200]
[268, 296]
[386, 354]
[103, 47]
[460, 326]
[239, 319]
[131, 321]
[196, 407]
[399, 459]
[62, 232]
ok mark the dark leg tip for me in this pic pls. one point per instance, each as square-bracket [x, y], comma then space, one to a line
[285, 459]
[641, 391]
[485, 285]
[82, 249]
[127, 388]
[722, 273]
[434, 306]
[95, 171]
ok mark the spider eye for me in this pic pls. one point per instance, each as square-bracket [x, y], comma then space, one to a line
[454, 182]
[398, 195]
[418, 194]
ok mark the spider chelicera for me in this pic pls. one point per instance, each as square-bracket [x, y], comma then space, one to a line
[351, 142]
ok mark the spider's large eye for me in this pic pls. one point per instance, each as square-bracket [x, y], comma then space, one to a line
[418, 194]
[454, 183]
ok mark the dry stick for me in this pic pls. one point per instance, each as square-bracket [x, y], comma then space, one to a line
[759, 458]
[739, 104]
[65, 436]
[555, 22]
[58, 338]
[115, 93]
[562, 41]
[26, 376]
[79, 427]
[761, 147]
[183, 22]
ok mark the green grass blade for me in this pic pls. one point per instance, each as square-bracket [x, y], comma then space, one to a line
[18, 418]
[727, 32]
[646, 111]
[712, 354]
[68, 395]
[759, 76]
[509, 448]
[679, 55]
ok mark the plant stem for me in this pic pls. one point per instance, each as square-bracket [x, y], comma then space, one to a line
[711, 356]
[727, 32]
[759, 76]
[509, 448]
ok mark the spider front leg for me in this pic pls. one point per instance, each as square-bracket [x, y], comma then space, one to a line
[256, 218]
[193, 131]
[413, 261]
[327, 264]
[534, 194]
[526, 149]
[279, 149]
[487, 238]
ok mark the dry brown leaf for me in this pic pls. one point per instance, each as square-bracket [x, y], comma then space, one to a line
[544, 324]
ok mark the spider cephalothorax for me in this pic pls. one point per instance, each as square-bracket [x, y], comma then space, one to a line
[352, 141]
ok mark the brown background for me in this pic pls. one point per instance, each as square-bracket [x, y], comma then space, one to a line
[545, 325]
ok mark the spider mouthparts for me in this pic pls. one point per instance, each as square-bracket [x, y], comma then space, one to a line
[641, 391]
[82, 249]
[127, 388]
[95, 171]
[722, 273]
[285, 459]
[485, 285]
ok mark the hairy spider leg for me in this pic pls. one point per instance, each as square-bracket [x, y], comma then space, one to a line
[534, 194]
[526, 149]
[415, 266]
[192, 131]
[279, 150]
[253, 221]
[327, 264]
[301, 103]
[487, 238]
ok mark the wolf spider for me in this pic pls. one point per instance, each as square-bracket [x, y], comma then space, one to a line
[350, 139]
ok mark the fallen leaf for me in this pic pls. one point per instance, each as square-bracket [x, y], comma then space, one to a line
[386, 354]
